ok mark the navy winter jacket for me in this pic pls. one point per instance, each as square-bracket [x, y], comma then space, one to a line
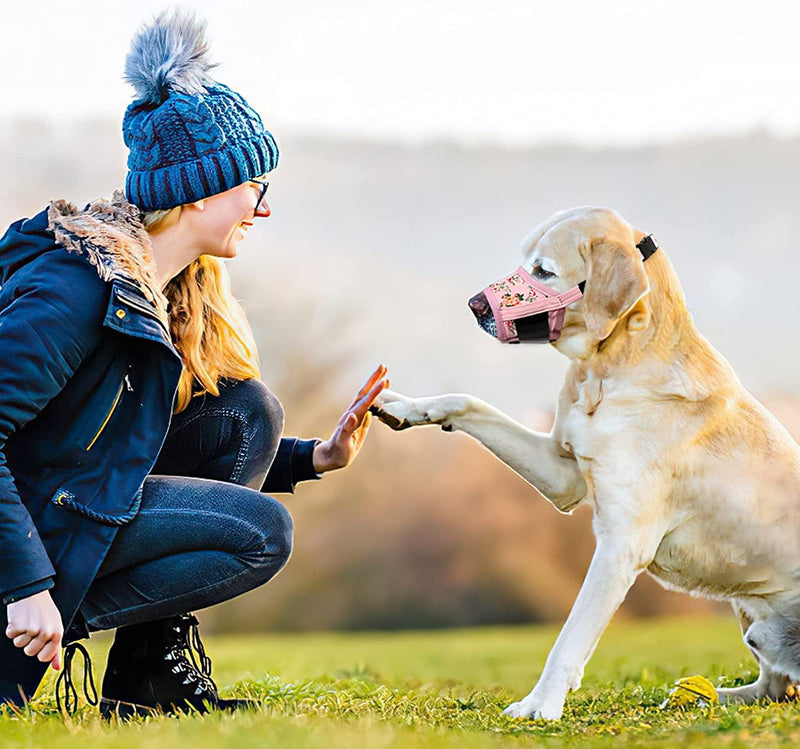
[88, 375]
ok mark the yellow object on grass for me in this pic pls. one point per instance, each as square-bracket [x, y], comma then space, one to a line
[693, 690]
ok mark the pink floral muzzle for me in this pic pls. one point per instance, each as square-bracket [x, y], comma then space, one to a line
[522, 309]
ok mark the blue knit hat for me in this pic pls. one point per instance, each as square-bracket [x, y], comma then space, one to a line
[189, 136]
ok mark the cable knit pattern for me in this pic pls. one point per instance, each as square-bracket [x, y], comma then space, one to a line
[189, 136]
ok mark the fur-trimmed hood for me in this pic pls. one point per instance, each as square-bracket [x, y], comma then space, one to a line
[111, 235]
[108, 233]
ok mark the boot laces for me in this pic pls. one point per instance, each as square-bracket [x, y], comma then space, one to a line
[66, 681]
[197, 667]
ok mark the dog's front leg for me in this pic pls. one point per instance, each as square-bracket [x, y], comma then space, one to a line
[611, 573]
[535, 456]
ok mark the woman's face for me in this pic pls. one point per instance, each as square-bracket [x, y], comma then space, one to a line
[225, 218]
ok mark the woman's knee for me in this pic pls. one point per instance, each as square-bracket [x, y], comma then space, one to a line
[231, 437]
[255, 420]
[285, 525]
[260, 409]
[256, 399]
[276, 533]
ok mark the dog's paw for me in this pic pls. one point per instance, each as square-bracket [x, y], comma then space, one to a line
[744, 695]
[399, 412]
[534, 708]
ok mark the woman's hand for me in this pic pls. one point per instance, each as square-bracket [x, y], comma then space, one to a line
[34, 624]
[343, 446]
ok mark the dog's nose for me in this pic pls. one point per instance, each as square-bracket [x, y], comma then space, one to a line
[479, 304]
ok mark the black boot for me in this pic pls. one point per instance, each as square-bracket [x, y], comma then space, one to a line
[152, 668]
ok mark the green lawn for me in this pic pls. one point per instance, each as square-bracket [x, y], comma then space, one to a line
[440, 689]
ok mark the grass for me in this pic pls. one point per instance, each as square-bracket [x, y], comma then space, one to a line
[440, 689]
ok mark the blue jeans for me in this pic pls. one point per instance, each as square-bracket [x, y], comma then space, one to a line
[204, 534]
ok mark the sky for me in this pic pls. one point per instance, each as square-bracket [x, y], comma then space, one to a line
[516, 72]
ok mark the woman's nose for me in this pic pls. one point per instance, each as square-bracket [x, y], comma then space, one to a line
[262, 211]
[479, 304]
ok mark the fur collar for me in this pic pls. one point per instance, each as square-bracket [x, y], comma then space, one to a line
[111, 236]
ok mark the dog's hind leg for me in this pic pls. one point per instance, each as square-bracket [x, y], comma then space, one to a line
[770, 685]
[774, 644]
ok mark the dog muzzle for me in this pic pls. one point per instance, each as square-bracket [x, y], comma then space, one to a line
[520, 309]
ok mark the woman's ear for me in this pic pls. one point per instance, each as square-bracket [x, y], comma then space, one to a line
[615, 281]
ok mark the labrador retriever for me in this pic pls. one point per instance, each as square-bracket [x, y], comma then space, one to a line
[688, 476]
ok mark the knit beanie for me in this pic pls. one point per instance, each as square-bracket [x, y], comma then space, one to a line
[189, 136]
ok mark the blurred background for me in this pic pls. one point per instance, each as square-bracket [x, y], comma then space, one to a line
[419, 144]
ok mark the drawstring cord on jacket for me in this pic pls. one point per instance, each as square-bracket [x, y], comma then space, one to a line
[70, 701]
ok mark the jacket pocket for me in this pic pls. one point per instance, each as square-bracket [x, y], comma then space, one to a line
[110, 413]
[65, 498]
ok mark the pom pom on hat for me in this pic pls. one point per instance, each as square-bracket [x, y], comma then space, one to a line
[189, 136]
[169, 55]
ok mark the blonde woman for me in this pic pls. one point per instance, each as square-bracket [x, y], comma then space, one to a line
[137, 443]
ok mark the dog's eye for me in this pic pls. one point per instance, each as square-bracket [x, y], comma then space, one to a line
[541, 273]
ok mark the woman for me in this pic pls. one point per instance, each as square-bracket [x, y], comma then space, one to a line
[115, 513]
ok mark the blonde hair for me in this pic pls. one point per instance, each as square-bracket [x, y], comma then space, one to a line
[208, 326]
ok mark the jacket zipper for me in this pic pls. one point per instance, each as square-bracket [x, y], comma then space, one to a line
[109, 414]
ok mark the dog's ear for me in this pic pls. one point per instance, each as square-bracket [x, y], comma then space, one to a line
[615, 281]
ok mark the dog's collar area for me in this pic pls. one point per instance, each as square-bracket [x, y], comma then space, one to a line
[647, 246]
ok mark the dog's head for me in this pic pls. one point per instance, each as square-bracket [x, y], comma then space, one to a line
[595, 245]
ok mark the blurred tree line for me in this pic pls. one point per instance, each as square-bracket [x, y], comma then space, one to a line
[426, 529]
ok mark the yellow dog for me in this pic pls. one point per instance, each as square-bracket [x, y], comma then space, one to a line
[687, 475]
